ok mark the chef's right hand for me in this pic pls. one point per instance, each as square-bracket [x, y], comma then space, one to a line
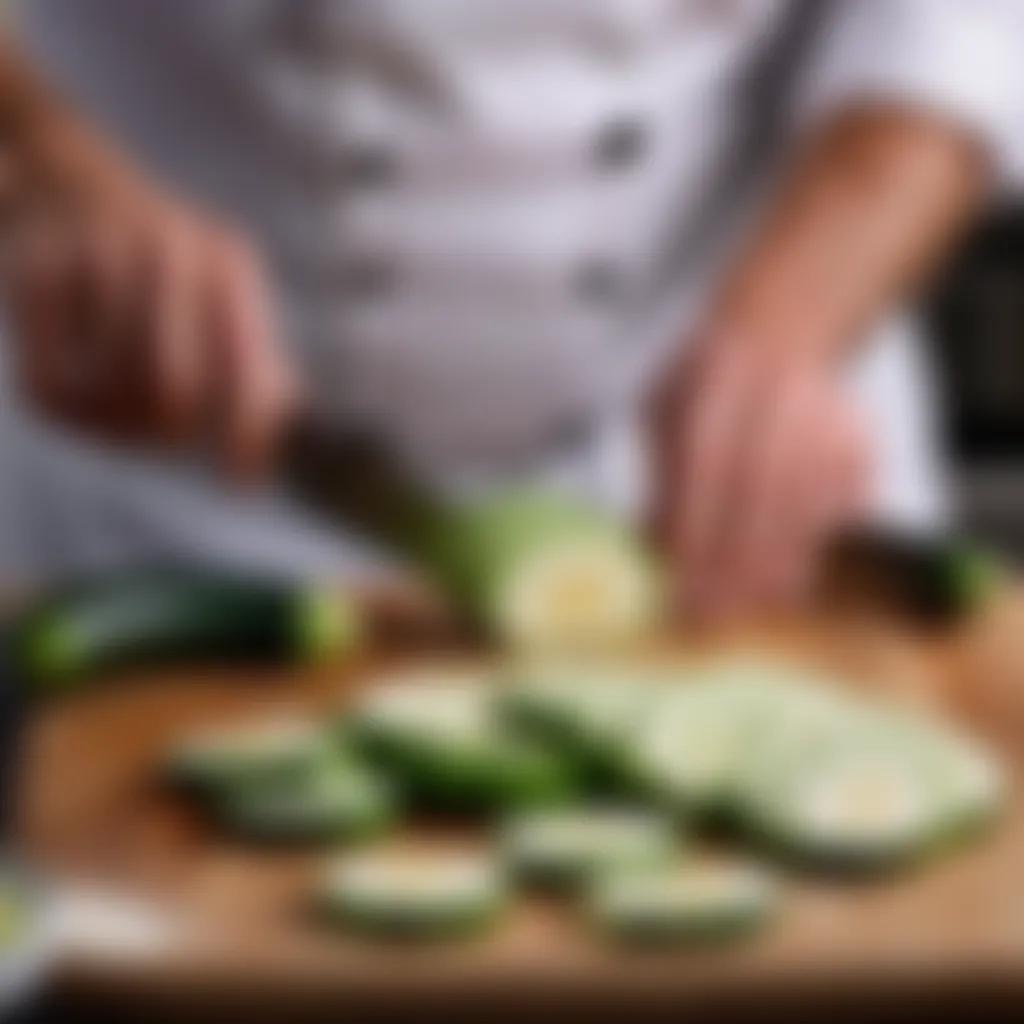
[136, 317]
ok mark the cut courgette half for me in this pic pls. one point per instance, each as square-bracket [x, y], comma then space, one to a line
[338, 800]
[415, 896]
[147, 618]
[545, 574]
[570, 848]
[691, 903]
[267, 752]
[445, 744]
[533, 568]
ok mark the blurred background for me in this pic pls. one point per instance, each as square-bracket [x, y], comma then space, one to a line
[976, 316]
[494, 309]
[975, 312]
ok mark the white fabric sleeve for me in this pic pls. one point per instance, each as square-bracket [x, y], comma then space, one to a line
[960, 59]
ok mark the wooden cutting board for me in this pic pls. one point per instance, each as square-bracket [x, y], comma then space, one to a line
[92, 811]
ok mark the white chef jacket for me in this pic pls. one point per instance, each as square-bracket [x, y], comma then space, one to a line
[489, 221]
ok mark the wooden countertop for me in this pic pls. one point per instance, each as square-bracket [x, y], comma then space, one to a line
[91, 811]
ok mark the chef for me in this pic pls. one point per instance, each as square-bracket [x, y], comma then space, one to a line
[656, 252]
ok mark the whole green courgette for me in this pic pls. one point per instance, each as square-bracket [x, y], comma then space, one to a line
[98, 625]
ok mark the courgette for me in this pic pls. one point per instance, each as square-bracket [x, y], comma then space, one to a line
[415, 896]
[568, 849]
[445, 746]
[336, 801]
[532, 568]
[684, 904]
[274, 752]
[857, 806]
[143, 618]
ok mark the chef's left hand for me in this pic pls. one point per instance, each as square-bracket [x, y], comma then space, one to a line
[760, 459]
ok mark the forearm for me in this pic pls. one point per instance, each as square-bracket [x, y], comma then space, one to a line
[860, 219]
[45, 147]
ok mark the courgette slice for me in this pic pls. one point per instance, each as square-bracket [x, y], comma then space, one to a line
[692, 903]
[974, 783]
[338, 800]
[144, 618]
[270, 752]
[687, 754]
[445, 745]
[585, 711]
[861, 805]
[421, 706]
[421, 896]
[570, 848]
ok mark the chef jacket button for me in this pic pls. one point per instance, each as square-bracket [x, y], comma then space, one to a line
[368, 279]
[598, 280]
[620, 143]
[572, 432]
[368, 167]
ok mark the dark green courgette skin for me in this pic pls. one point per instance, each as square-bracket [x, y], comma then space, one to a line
[710, 932]
[480, 781]
[460, 924]
[936, 580]
[100, 625]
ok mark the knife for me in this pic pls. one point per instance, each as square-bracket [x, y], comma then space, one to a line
[936, 578]
[351, 477]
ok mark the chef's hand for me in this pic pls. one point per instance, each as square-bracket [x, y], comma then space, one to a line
[136, 317]
[760, 459]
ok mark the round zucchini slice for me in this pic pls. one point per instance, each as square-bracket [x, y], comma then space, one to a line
[337, 801]
[691, 903]
[422, 707]
[688, 752]
[859, 805]
[495, 774]
[584, 711]
[449, 750]
[415, 896]
[973, 782]
[569, 848]
[267, 752]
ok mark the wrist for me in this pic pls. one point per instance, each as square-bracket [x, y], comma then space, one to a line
[55, 159]
[785, 312]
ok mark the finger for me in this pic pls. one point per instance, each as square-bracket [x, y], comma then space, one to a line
[252, 376]
[770, 478]
[174, 366]
[99, 372]
[40, 306]
[709, 447]
[831, 486]
[853, 465]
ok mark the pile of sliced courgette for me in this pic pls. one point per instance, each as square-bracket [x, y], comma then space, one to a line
[592, 781]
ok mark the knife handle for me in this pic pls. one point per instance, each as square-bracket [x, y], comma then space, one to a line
[355, 479]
